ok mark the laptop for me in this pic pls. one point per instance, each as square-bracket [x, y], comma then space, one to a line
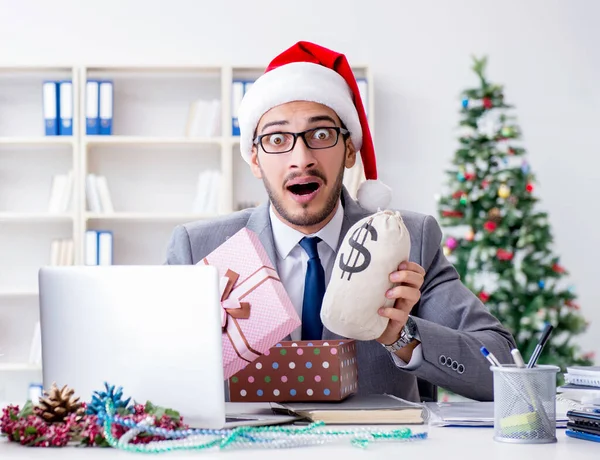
[153, 330]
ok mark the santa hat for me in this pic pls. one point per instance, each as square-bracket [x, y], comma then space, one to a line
[309, 72]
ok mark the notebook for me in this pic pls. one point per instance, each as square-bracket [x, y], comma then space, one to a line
[359, 409]
[477, 414]
[583, 375]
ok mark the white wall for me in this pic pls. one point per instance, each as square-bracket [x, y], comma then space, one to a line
[544, 51]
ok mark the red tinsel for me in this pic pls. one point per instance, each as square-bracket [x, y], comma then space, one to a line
[452, 214]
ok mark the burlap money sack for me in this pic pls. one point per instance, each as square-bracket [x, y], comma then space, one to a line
[372, 249]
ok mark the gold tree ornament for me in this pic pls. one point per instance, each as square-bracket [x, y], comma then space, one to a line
[57, 404]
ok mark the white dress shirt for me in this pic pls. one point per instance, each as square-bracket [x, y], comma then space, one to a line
[292, 262]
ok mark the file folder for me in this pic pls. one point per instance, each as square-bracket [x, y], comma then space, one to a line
[105, 247]
[91, 247]
[237, 93]
[50, 107]
[106, 107]
[363, 89]
[65, 108]
[92, 108]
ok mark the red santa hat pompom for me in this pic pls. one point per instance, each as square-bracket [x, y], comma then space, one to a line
[309, 72]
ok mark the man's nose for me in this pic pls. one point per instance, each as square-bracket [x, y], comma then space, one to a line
[301, 156]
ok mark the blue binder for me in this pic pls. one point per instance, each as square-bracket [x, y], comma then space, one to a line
[105, 247]
[106, 107]
[50, 107]
[237, 93]
[92, 108]
[65, 108]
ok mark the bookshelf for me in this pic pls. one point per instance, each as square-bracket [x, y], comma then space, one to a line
[150, 161]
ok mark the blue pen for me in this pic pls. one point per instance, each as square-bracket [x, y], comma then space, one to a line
[490, 357]
[538, 348]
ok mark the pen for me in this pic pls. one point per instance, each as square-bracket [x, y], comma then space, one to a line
[538, 348]
[516, 354]
[490, 357]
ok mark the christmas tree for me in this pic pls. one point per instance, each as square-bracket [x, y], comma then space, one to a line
[498, 241]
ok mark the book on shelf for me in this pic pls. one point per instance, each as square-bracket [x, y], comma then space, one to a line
[98, 195]
[61, 193]
[62, 252]
[98, 247]
[204, 119]
[239, 87]
[35, 349]
[208, 190]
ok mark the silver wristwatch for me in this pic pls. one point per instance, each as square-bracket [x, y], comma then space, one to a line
[406, 335]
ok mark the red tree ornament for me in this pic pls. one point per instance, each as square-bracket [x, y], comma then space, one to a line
[487, 102]
[484, 296]
[502, 254]
[558, 268]
[490, 226]
[529, 187]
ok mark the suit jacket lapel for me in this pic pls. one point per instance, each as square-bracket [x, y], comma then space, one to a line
[260, 223]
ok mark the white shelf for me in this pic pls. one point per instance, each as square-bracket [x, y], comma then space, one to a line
[38, 141]
[19, 367]
[18, 294]
[148, 217]
[143, 140]
[19, 217]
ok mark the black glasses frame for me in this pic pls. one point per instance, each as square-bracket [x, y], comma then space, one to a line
[337, 129]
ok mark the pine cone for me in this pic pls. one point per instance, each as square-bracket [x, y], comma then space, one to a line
[58, 404]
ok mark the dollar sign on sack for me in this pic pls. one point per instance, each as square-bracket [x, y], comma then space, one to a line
[352, 266]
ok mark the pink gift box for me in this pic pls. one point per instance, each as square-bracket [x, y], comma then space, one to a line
[257, 312]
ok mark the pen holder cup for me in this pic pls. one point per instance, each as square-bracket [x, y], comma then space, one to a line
[525, 404]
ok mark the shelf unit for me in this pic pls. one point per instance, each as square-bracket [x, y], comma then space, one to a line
[151, 167]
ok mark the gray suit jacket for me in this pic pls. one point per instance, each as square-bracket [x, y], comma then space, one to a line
[452, 322]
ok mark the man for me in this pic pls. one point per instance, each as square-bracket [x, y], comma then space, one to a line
[302, 123]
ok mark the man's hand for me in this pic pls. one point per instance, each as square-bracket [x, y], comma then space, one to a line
[409, 277]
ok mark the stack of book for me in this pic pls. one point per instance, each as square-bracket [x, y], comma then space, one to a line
[61, 193]
[61, 252]
[582, 387]
[97, 194]
[208, 190]
[204, 119]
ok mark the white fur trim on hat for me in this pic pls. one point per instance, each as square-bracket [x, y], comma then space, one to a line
[297, 81]
[374, 195]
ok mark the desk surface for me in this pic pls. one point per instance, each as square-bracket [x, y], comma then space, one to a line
[443, 443]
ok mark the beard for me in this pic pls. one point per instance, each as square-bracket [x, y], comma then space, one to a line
[307, 218]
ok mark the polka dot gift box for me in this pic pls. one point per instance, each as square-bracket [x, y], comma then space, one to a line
[318, 370]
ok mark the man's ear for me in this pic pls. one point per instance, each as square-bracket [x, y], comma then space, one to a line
[350, 154]
[254, 166]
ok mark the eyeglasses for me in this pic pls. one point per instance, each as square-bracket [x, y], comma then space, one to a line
[315, 138]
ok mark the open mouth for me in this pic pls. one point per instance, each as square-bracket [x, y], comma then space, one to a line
[304, 189]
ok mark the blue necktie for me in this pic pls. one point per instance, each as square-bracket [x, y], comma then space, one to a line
[314, 290]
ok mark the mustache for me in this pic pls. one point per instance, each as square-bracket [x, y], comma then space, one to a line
[308, 172]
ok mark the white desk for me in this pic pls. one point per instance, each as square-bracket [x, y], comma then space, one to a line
[442, 443]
